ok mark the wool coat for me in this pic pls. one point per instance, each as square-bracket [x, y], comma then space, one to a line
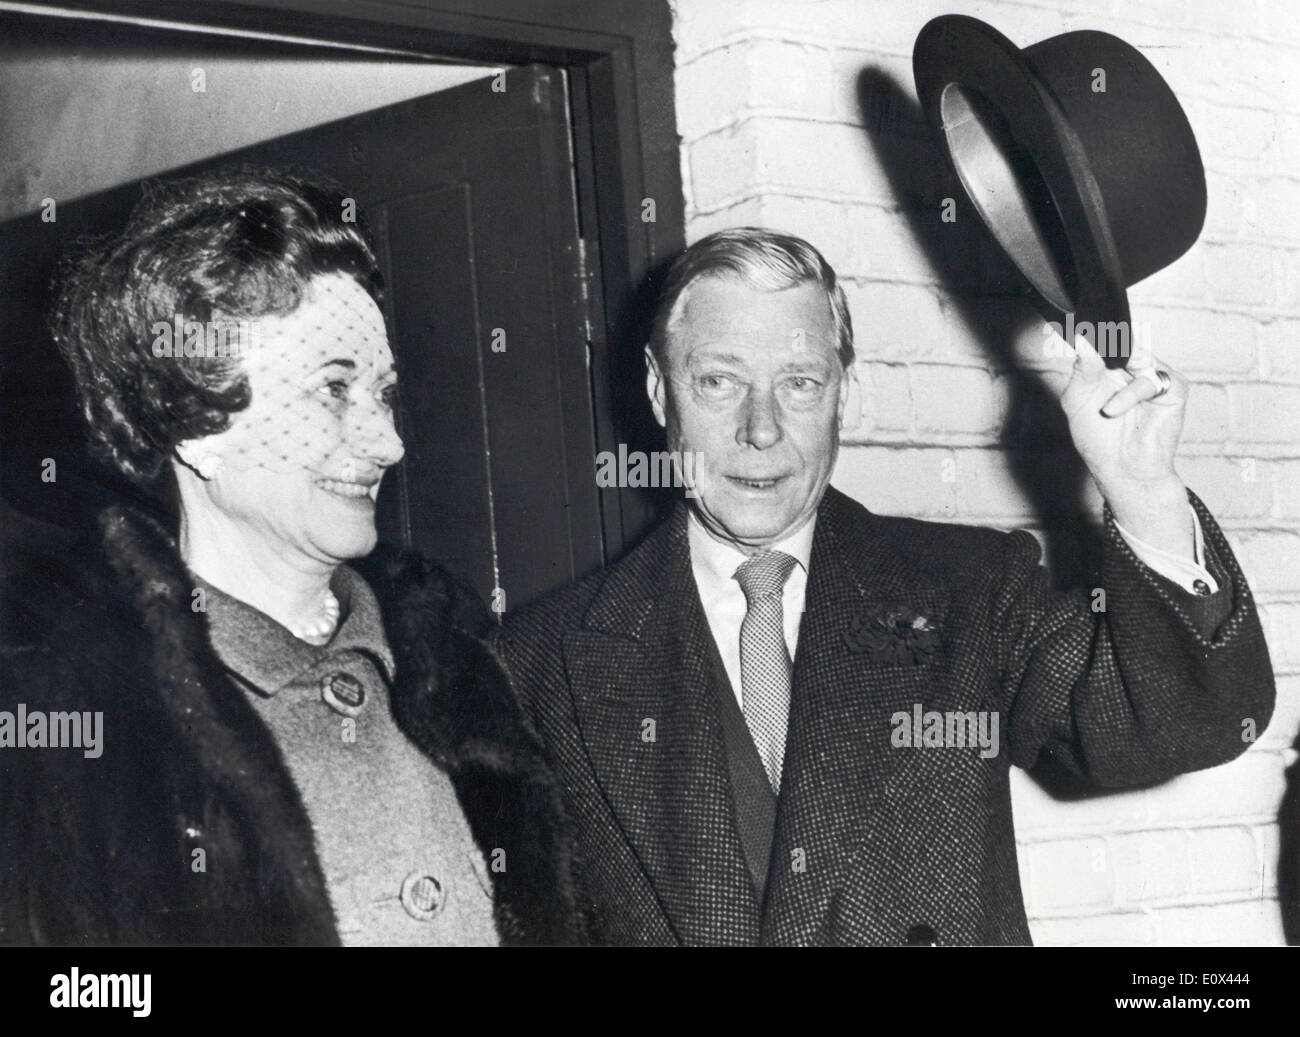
[877, 840]
[101, 851]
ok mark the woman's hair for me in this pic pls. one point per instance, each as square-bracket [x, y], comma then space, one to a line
[217, 249]
[762, 259]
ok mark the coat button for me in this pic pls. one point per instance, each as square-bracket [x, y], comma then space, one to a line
[922, 935]
[1201, 587]
[422, 895]
[343, 693]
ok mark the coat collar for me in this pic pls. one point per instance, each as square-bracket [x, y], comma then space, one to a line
[266, 656]
[448, 696]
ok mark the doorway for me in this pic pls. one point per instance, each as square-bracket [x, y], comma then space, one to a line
[486, 205]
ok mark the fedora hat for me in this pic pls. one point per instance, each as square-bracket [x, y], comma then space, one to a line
[1076, 155]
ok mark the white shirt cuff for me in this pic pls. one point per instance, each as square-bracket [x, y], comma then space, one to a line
[1185, 572]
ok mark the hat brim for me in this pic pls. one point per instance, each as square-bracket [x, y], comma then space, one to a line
[963, 51]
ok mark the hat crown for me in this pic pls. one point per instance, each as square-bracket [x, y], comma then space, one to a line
[1139, 144]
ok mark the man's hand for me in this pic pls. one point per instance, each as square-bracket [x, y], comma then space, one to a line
[1127, 434]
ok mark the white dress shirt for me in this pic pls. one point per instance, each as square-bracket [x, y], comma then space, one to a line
[714, 566]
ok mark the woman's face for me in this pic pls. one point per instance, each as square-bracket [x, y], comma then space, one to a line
[301, 465]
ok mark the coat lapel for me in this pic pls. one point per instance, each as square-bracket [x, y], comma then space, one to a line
[838, 752]
[652, 726]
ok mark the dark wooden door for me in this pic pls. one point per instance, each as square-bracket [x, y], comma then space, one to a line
[470, 195]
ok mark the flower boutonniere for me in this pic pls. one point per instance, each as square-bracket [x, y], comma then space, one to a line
[893, 632]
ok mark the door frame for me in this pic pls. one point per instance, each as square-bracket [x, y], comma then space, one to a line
[618, 55]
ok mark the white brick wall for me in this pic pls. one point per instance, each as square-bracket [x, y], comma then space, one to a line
[772, 134]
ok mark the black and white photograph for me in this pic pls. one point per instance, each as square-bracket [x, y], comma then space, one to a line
[649, 473]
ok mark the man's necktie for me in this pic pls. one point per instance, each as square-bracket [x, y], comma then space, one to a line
[764, 662]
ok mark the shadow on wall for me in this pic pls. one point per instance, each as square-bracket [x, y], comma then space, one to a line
[997, 304]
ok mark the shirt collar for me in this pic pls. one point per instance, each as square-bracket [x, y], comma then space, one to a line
[264, 654]
[717, 562]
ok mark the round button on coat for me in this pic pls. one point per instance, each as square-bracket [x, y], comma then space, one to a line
[343, 693]
[422, 895]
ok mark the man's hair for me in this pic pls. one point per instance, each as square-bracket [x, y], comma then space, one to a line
[762, 259]
[222, 247]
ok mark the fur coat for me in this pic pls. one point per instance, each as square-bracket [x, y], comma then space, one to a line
[100, 850]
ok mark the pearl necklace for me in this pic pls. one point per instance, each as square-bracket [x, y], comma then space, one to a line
[319, 631]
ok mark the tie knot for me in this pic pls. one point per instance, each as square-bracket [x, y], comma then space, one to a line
[764, 574]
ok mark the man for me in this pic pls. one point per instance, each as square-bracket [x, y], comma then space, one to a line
[741, 711]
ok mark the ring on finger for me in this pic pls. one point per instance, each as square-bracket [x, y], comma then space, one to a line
[1161, 378]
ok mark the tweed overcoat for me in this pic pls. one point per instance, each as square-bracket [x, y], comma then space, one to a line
[99, 851]
[875, 843]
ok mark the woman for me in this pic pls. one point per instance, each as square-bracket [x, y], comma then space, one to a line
[294, 750]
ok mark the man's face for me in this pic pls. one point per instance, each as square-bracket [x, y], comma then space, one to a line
[752, 390]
